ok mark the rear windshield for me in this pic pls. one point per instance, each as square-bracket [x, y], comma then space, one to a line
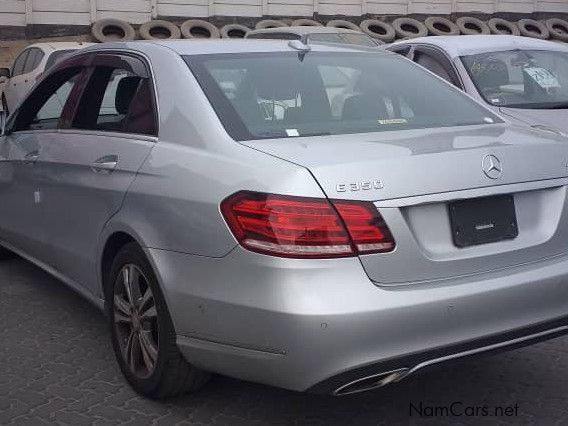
[56, 57]
[283, 95]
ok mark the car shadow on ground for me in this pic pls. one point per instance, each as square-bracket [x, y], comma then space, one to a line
[58, 366]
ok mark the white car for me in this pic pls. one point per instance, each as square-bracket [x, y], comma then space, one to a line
[29, 66]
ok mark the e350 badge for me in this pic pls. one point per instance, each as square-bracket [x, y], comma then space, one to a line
[366, 185]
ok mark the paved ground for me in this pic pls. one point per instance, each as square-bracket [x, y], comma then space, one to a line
[56, 366]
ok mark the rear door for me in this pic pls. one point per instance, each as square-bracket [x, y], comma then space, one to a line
[88, 168]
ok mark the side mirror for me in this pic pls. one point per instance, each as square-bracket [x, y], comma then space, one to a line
[3, 122]
[5, 72]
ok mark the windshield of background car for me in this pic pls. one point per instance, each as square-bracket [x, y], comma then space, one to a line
[536, 79]
[283, 95]
[343, 38]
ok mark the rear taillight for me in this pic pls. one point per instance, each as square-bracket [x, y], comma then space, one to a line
[302, 227]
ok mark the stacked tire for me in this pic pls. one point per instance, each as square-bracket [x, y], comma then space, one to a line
[110, 29]
[107, 30]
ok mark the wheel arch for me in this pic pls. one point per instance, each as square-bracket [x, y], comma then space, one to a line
[115, 236]
[112, 246]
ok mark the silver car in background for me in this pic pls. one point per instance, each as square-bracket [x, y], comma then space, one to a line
[311, 217]
[316, 34]
[524, 79]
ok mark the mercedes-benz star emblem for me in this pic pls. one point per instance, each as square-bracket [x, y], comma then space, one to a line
[491, 166]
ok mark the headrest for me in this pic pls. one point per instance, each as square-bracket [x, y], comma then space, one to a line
[125, 91]
[287, 87]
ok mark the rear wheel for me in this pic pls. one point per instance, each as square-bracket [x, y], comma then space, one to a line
[142, 332]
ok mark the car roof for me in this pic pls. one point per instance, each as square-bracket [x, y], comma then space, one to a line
[220, 46]
[62, 45]
[472, 44]
[305, 29]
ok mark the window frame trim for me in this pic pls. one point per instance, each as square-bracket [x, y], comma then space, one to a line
[85, 60]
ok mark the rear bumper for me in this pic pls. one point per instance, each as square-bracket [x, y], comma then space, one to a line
[318, 324]
[412, 363]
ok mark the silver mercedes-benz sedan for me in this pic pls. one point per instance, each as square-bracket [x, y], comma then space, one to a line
[523, 78]
[311, 217]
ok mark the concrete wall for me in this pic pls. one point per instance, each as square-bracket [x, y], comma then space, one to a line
[19, 13]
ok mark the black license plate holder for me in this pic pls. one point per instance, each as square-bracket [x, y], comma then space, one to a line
[483, 220]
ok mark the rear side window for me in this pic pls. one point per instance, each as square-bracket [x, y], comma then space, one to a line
[432, 64]
[33, 60]
[117, 100]
[20, 62]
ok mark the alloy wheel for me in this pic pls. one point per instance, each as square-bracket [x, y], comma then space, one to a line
[136, 321]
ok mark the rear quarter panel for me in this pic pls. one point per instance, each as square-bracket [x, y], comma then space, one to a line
[173, 204]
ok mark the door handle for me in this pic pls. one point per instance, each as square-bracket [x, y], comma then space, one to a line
[106, 164]
[31, 157]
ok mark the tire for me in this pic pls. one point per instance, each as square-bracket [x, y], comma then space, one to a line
[234, 31]
[270, 23]
[378, 29]
[306, 23]
[534, 29]
[342, 23]
[439, 26]
[558, 28]
[409, 27]
[503, 27]
[110, 29]
[198, 28]
[472, 26]
[160, 371]
[159, 30]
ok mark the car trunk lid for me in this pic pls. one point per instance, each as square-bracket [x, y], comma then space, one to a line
[412, 176]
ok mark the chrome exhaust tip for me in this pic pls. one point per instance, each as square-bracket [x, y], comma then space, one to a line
[371, 382]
